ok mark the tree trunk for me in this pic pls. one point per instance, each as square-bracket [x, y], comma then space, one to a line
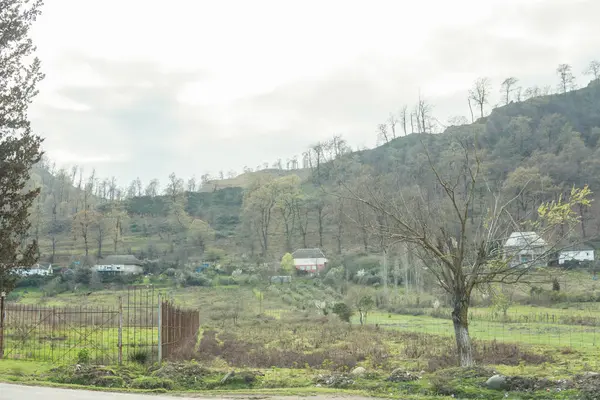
[461, 331]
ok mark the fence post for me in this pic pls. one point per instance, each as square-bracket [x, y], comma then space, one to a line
[159, 319]
[120, 344]
[2, 295]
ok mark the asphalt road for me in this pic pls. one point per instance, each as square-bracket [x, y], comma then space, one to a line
[18, 392]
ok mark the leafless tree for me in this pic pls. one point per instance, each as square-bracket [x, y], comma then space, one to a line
[507, 87]
[382, 133]
[593, 69]
[471, 109]
[392, 121]
[462, 252]
[403, 118]
[566, 78]
[480, 93]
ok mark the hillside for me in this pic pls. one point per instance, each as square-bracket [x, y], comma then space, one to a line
[550, 142]
[245, 179]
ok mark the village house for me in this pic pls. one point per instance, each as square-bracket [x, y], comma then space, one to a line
[40, 269]
[309, 260]
[577, 253]
[525, 249]
[119, 264]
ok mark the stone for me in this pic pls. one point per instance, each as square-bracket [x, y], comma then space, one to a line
[358, 372]
[496, 382]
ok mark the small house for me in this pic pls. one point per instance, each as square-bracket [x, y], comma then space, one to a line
[525, 249]
[578, 253]
[120, 264]
[309, 260]
[40, 269]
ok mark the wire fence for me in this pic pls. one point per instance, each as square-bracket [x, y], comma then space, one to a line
[132, 330]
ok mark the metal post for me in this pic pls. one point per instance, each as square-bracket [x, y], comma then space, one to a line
[2, 296]
[159, 329]
[120, 330]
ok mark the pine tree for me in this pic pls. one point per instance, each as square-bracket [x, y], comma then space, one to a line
[19, 147]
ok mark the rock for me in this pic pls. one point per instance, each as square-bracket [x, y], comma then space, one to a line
[228, 376]
[496, 382]
[400, 375]
[590, 373]
[358, 372]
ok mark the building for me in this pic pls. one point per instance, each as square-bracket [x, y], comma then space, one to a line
[120, 264]
[309, 260]
[525, 249]
[40, 269]
[580, 253]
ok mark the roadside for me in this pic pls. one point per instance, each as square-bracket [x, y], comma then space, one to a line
[11, 391]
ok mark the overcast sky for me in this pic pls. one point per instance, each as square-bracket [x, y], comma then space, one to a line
[145, 87]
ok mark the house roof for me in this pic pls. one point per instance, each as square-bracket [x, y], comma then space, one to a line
[578, 247]
[524, 239]
[127, 259]
[308, 253]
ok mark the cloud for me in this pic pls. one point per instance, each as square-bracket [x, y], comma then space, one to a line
[207, 97]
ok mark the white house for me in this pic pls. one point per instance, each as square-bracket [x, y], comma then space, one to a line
[576, 253]
[525, 249]
[126, 264]
[309, 260]
[37, 269]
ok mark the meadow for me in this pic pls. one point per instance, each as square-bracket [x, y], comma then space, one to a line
[281, 335]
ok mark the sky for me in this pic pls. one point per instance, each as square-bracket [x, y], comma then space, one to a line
[144, 88]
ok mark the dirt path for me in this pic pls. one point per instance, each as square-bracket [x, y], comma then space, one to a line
[11, 392]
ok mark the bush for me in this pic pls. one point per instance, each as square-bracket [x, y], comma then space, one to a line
[343, 311]
[149, 383]
[197, 279]
[226, 281]
[110, 381]
[140, 357]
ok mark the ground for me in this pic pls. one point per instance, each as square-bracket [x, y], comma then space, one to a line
[282, 344]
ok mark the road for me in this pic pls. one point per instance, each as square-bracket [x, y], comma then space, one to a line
[18, 392]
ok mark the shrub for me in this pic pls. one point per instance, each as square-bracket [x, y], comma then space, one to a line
[83, 356]
[197, 279]
[110, 381]
[149, 383]
[555, 285]
[343, 311]
[140, 357]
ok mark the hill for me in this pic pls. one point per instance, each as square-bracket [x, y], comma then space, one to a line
[550, 143]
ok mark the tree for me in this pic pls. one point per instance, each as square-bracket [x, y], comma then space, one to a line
[480, 93]
[566, 78]
[83, 224]
[259, 203]
[593, 69]
[19, 147]
[403, 118]
[364, 305]
[287, 263]
[461, 251]
[507, 87]
[287, 202]
[152, 188]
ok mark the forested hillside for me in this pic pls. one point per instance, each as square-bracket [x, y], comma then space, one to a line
[533, 150]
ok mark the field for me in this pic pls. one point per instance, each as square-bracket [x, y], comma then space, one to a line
[278, 335]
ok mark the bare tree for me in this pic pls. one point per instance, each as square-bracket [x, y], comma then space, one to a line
[383, 134]
[480, 93]
[507, 87]
[460, 253]
[152, 188]
[403, 118]
[191, 184]
[471, 109]
[593, 69]
[566, 78]
[423, 116]
[393, 121]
